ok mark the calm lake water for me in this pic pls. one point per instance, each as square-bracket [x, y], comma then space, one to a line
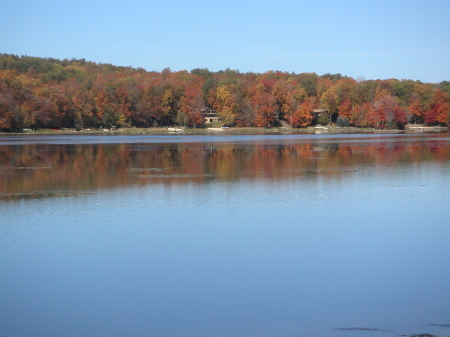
[225, 236]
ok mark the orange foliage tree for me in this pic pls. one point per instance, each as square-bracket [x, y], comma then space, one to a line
[264, 105]
[303, 116]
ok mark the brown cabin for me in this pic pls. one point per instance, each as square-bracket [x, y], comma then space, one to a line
[210, 116]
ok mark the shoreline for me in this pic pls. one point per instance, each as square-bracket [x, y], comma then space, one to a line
[412, 129]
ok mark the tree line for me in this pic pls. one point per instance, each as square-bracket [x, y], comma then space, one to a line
[50, 93]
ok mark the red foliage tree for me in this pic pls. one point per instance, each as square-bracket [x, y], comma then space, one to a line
[386, 113]
[415, 108]
[440, 109]
[191, 105]
[264, 105]
[358, 115]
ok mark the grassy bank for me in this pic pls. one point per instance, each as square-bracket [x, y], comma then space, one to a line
[235, 131]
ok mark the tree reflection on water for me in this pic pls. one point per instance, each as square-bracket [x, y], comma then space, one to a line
[43, 170]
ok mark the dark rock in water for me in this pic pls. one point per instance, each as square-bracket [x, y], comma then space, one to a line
[361, 329]
[441, 325]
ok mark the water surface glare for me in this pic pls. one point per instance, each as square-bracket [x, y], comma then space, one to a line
[318, 235]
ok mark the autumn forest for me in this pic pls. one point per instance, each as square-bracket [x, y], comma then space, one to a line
[50, 93]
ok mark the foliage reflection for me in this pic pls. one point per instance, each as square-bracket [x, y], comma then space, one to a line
[42, 170]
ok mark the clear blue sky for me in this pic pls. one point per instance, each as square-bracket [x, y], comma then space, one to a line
[372, 39]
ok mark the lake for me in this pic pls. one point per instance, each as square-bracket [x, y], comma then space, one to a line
[220, 236]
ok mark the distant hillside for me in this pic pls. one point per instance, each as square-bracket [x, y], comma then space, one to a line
[50, 93]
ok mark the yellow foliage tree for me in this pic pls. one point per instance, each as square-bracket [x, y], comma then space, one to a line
[225, 104]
